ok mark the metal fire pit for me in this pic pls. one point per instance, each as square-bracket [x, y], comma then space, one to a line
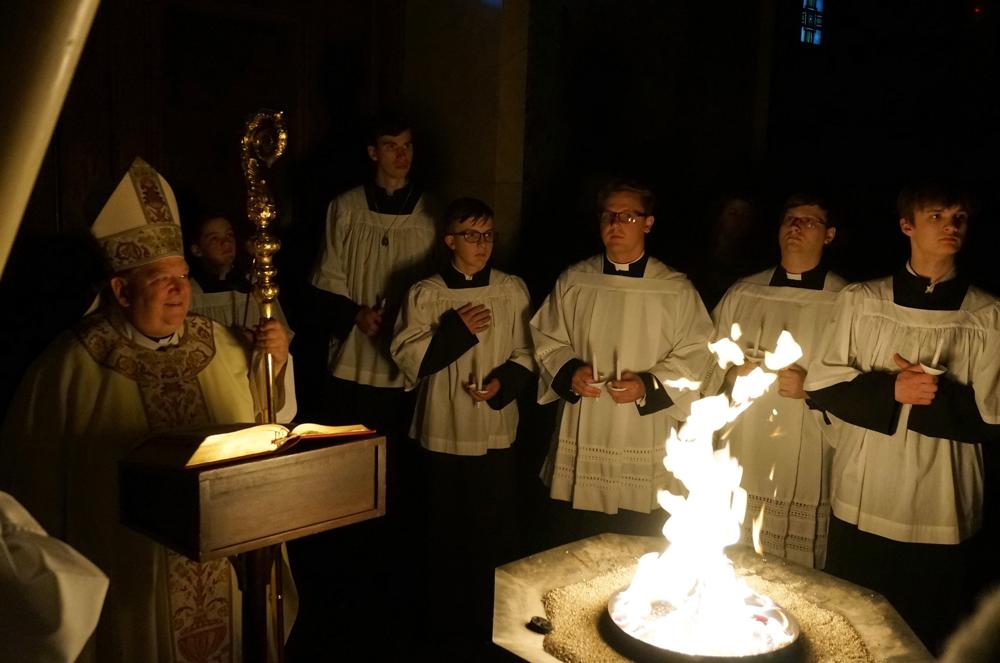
[521, 585]
[641, 651]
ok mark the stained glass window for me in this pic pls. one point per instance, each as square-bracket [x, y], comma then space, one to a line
[811, 29]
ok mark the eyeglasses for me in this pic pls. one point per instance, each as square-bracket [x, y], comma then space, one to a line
[474, 236]
[609, 218]
[804, 222]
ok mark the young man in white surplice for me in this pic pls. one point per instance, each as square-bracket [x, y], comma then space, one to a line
[910, 362]
[780, 440]
[620, 342]
[462, 342]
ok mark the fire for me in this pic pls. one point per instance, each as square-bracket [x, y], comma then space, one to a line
[689, 599]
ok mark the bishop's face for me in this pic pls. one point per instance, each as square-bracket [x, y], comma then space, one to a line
[936, 231]
[155, 298]
[393, 155]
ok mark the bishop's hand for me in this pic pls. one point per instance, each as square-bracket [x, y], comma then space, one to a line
[913, 386]
[270, 336]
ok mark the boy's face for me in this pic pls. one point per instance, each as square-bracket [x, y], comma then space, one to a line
[216, 245]
[936, 231]
[393, 155]
[470, 255]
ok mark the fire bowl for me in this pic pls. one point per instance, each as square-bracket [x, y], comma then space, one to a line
[641, 651]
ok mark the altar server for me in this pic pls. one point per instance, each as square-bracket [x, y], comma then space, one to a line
[379, 239]
[138, 364]
[621, 342]
[910, 362]
[779, 440]
[462, 341]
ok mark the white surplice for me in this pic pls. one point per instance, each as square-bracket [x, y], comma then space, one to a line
[605, 456]
[907, 486]
[776, 436]
[446, 419]
[369, 257]
[52, 595]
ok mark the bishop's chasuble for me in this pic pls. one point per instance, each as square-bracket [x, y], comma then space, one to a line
[780, 442]
[84, 404]
[607, 456]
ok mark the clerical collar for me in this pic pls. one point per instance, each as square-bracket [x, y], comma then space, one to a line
[401, 201]
[143, 341]
[210, 282]
[635, 269]
[814, 279]
[457, 280]
[914, 291]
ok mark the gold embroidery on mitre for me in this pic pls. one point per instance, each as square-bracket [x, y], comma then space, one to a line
[141, 246]
[200, 594]
[150, 194]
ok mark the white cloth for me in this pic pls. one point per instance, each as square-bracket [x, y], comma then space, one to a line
[356, 264]
[776, 434]
[606, 456]
[51, 594]
[229, 308]
[906, 486]
[83, 405]
[446, 418]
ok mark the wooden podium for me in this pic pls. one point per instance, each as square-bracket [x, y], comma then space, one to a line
[247, 507]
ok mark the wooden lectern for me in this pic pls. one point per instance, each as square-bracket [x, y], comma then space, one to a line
[247, 507]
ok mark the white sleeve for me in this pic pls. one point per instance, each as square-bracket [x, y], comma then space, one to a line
[415, 328]
[329, 274]
[550, 335]
[51, 594]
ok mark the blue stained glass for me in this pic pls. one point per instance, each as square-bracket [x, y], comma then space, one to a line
[819, 5]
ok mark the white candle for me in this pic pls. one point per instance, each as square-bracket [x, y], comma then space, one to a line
[618, 367]
[756, 343]
[593, 368]
[937, 352]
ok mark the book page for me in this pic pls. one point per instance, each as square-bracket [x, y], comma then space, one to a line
[330, 431]
[239, 443]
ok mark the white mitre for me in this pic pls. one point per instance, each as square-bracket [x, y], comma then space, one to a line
[51, 594]
[140, 223]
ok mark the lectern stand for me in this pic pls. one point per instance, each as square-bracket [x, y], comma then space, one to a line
[247, 508]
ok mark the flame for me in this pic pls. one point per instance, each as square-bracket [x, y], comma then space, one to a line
[687, 597]
[683, 384]
[735, 332]
[786, 352]
[758, 524]
[727, 353]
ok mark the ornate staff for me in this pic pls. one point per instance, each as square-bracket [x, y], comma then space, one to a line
[263, 143]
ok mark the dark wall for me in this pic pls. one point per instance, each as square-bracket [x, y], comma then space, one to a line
[173, 81]
[661, 91]
[700, 99]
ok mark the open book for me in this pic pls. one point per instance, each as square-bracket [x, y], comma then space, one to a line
[212, 444]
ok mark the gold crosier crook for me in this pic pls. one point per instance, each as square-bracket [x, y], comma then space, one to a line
[263, 143]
